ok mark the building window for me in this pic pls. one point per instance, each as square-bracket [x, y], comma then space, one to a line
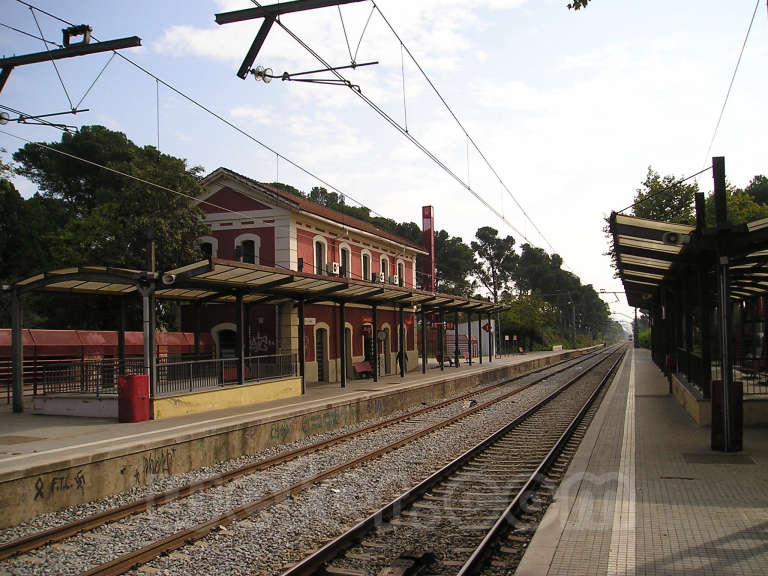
[248, 251]
[319, 257]
[401, 274]
[366, 267]
[385, 268]
[209, 246]
[247, 248]
[344, 264]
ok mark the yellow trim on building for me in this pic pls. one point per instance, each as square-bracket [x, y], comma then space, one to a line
[229, 397]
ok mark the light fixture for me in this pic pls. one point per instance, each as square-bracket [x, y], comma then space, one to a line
[4, 117]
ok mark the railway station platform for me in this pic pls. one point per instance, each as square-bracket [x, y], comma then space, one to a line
[645, 495]
[50, 462]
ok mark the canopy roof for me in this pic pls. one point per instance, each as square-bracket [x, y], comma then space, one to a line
[648, 252]
[219, 280]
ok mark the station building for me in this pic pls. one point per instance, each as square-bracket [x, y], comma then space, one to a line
[256, 223]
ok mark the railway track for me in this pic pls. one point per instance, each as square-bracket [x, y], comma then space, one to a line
[467, 512]
[200, 530]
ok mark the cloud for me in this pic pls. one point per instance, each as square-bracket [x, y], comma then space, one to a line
[263, 116]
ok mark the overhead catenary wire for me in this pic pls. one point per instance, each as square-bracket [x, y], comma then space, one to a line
[460, 124]
[400, 129]
[214, 114]
[669, 187]
[4, 25]
[55, 67]
[730, 85]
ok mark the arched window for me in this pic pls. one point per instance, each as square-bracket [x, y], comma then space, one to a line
[247, 248]
[345, 262]
[366, 258]
[384, 268]
[321, 249]
[400, 273]
[209, 246]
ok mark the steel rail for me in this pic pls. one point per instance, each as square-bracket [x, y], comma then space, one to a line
[475, 562]
[59, 533]
[314, 563]
[183, 537]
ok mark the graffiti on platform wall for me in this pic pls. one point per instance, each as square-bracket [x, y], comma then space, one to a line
[58, 484]
[329, 420]
[279, 431]
[320, 422]
[159, 462]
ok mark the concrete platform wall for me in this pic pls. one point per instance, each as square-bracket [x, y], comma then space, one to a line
[71, 480]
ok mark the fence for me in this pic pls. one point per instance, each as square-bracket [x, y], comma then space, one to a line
[175, 375]
[189, 376]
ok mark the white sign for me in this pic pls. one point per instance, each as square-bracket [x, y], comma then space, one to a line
[506, 337]
[309, 321]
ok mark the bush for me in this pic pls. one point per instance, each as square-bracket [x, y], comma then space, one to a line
[644, 339]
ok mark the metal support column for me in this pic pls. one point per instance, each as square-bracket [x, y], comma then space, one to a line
[480, 336]
[301, 346]
[343, 347]
[456, 337]
[147, 290]
[17, 350]
[375, 344]
[423, 341]
[469, 337]
[240, 332]
[441, 338]
[121, 338]
[401, 351]
[197, 309]
[490, 339]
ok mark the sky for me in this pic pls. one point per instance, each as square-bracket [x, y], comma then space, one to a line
[568, 109]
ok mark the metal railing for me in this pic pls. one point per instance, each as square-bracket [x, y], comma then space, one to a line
[190, 376]
[175, 375]
[753, 373]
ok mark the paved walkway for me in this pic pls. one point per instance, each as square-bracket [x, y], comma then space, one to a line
[645, 495]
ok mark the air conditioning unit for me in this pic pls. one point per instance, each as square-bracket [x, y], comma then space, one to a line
[332, 268]
[381, 278]
[394, 279]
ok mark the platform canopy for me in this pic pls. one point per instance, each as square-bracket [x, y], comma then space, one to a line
[222, 280]
[648, 254]
[219, 280]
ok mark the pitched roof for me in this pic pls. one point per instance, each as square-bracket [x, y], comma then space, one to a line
[305, 205]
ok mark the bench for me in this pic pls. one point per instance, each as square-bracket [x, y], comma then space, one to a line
[363, 369]
[449, 358]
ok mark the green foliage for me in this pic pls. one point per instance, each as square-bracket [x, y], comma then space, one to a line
[758, 189]
[454, 261]
[495, 260]
[578, 4]
[665, 200]
[84, 215]
[109, 215]
[742, 207]
[644, 339]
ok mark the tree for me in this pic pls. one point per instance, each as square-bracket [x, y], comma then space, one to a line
[84, 214]
[742, 207]
[495, 261]
[454, 261]
[109, 215]
[578, 4]
[665, 199]
[758, 189]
